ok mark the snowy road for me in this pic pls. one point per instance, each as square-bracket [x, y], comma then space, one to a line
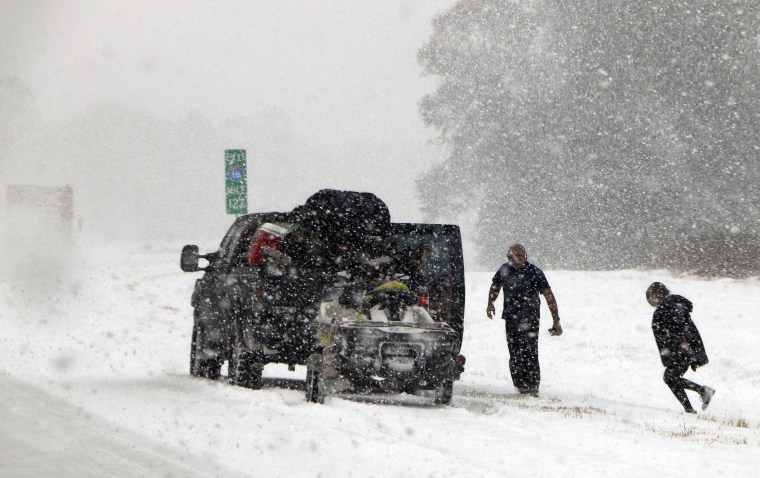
[43, 435]
[94, 383]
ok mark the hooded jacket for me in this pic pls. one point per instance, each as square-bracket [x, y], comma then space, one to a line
[672, 327]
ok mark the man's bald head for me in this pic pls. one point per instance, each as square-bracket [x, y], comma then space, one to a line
[516, 255]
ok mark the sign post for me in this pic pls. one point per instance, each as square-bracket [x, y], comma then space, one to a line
[236, 181]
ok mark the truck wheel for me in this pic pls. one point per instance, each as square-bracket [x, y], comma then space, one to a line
[314, 387]
[244, 371]
[201, 366]
[444, 391]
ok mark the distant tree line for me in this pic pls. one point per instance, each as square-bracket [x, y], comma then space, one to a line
[602, 135]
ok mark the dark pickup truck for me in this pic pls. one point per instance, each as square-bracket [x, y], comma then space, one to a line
[261, 292]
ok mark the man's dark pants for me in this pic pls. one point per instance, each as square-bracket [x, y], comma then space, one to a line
[522, 341]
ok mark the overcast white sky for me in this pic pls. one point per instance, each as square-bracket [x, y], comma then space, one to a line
[341, 68]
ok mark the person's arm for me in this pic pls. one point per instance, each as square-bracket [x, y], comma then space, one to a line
[552, 303]
[493, 293]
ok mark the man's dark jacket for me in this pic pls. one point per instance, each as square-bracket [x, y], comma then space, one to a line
[672, 326]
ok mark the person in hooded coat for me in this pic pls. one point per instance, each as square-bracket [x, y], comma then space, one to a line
[679, 343]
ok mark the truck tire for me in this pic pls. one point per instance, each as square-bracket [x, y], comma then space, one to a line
[314, 387]
[200, 365]
[444, 391]
[244, 370]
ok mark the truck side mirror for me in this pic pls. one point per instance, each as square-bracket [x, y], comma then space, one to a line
[189, 259]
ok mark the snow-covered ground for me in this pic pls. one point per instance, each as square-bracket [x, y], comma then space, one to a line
[93, 382]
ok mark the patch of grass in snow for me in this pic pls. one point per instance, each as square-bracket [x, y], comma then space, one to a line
[737, 422]
[695, 432]
[729, 422]
[570, 411]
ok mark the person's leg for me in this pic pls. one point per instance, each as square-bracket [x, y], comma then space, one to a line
[513, 345]
[522, 340]
[673, 377]
[531, 367]
[689, 385]
[705, 393]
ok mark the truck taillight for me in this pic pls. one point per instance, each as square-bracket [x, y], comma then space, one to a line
[262, 240]
[423, 300]
[460, 360]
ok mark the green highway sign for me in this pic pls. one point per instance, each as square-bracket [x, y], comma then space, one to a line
[236, 181]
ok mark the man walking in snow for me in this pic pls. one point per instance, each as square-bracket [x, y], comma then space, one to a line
[679, 343]
[522, 283]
